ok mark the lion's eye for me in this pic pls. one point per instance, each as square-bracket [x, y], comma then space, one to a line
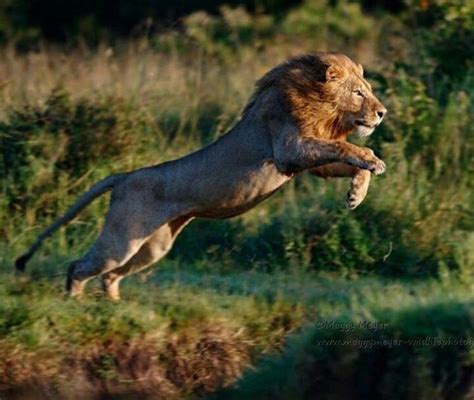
[359, 93]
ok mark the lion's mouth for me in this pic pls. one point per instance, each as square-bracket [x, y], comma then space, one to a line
[363, 123]
[363, 129]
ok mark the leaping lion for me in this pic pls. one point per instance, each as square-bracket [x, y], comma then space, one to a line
[297, 119]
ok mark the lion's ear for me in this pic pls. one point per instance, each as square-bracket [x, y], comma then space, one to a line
[334, 73]
[361, 69]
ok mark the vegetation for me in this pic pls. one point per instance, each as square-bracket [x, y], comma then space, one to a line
[393, 361]
[230, 292]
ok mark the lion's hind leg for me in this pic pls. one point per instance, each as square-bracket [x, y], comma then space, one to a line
[125, 231]
[155, 248]
[104, 255]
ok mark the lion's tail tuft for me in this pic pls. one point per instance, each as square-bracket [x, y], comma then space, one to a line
[20, 262]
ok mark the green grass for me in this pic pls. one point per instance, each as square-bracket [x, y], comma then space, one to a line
[420, 351]
[153, 336]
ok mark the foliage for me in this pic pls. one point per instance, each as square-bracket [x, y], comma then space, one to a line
[447, 32]
[70, 136]
[28, 21]
[192, 334]
[344, 358]
[345, 20]
[234, 27]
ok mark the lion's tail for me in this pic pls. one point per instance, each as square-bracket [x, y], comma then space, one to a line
[96, 190]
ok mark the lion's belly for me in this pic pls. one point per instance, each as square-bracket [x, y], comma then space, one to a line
[237, 198]
[232, 210]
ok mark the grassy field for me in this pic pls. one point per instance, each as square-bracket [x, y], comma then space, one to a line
[299, 298]
[185, 333]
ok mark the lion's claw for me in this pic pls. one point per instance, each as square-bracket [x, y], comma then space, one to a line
[370, 162]
[378, 167]
[353, 201]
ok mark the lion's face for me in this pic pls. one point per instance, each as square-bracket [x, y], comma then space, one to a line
[326, 94]
[358, 109]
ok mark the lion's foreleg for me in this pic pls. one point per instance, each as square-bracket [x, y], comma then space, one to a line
[359, 183]
[296, 154]
[334, 170]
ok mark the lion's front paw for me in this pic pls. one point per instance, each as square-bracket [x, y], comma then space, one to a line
[377, 167]
[359, 187]
[353, 200]
[373, 163]
[367, 160]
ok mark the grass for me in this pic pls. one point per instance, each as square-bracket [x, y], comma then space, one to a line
[393, 358]
[169, 334]
[237, 306]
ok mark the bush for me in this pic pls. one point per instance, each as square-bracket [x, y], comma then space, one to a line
[342, 19]
[234, 27]
[42, 144]
[447, 33]
[26, 22]
[418, 353]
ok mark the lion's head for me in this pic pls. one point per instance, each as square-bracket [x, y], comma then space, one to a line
[327, 95]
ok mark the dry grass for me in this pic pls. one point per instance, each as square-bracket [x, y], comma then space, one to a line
[155, 80]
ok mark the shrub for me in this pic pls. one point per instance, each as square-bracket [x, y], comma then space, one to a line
[417, 353]
[447, 35]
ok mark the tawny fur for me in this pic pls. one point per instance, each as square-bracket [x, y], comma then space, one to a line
[297, 119]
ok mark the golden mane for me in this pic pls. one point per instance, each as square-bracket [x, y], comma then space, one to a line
[301, 83]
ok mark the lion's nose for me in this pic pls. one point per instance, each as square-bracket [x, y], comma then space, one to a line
[381, 113]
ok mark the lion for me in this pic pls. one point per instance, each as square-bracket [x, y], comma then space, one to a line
[297, 120]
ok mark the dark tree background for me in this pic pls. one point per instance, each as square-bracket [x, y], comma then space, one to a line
[27, 21]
